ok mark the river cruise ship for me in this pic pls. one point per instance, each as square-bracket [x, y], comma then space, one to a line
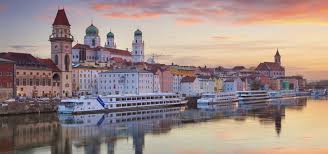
[249, 97]
[119, 102]
[222, 98]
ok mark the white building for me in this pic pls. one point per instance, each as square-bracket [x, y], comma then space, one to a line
[85, 79]
[196, 86]
[127, 81]
[92, 53]
[232, 85]
[176, 83]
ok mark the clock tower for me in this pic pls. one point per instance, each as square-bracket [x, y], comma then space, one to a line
[61, 52]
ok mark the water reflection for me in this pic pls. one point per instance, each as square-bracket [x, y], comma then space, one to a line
[100, 133]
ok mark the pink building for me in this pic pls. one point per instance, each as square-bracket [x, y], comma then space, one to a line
[165, 79]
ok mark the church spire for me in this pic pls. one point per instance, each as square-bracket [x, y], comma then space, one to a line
[61, 18]
[277, 53]
[277, 57]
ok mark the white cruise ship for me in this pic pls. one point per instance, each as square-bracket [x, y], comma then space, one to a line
[223, 98]
[249, 97]
[119, 102]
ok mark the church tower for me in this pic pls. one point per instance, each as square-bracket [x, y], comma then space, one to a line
[61, 52]
[91, 37]
[137, 47]
[277, 58]
[110, 41]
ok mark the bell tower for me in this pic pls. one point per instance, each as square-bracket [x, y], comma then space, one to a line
[61, 51]
[138, 47]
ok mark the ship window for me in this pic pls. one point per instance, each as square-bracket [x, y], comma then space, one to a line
[118, 105]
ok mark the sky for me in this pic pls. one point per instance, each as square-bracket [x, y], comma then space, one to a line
[186, 32]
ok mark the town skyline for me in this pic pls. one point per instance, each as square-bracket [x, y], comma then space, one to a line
[223, 45]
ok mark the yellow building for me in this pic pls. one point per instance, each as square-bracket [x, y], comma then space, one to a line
[218, 85]
[84, 79]
[182, 70]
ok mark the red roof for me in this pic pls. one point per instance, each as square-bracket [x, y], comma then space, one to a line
[118, 51]
[188, 79]
[27, 60]
[111, 50]
[50, 64]
[79, 46]
[61, 18]
[117, 59]
[269, 66]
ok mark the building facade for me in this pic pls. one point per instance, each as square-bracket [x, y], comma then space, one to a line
[233, 85]
[196, 86]
[85, 79]
[127, 81]
[7, 79]
[35, 77]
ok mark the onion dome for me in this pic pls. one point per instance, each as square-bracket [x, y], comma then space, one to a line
[137, 33]
[110, 35]
[92, 30]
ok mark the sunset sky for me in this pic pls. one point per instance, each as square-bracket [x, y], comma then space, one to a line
[186, 32]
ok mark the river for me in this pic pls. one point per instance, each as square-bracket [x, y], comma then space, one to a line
[295, 125]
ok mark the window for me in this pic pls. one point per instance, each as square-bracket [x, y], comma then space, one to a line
[31, 82]
[56, 59]
[93, 42]
[67, 63]
[37, 82]
[43, 82]
[17, 82]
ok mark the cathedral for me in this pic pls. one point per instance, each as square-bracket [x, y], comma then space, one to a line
[92, 53]
[68, 58]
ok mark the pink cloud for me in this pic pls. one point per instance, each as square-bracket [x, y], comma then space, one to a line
[135, 16]
[189, 21]
[239, 12]
[102, 6]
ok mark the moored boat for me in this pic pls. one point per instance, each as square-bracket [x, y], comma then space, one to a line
[119, 102]
[223, 98]
[246, 97]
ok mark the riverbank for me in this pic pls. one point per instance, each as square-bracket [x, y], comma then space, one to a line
[15, 108]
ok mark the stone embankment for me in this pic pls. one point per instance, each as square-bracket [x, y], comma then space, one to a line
[14, 108]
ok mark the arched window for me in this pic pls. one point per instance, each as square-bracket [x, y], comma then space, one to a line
[93, 42]
[67, 63]
[56, 59]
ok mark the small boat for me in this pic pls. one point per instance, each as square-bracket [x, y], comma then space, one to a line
[282, 94]
[119, 102]
[246, 97]
[223, 98]
[274, 94]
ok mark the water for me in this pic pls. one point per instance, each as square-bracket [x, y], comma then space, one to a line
[285, 126]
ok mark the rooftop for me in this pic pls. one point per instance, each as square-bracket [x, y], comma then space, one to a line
[6, 61]
[269, 66]
[61, 18]
[128, 70]
[188, 79]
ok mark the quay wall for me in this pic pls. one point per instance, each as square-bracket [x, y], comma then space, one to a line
[15, 108]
